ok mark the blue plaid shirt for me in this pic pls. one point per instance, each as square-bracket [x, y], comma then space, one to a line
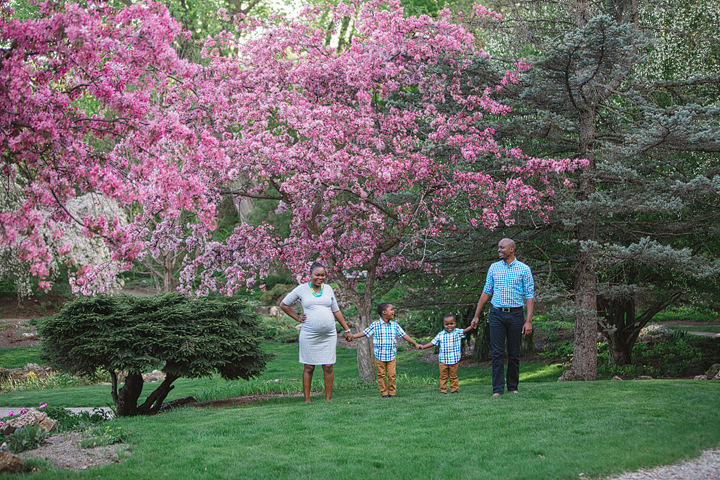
[449, 346]
[508, 283]
[384, 339]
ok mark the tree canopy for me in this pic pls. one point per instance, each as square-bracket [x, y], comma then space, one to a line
[98, 100]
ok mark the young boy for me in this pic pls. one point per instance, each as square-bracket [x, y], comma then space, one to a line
[383, 332]
[449, 341]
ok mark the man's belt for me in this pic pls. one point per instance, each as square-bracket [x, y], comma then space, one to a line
[509, 309]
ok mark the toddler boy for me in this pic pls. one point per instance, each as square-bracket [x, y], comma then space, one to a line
[449, 340]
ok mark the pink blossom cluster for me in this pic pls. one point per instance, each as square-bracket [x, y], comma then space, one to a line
[271, 112]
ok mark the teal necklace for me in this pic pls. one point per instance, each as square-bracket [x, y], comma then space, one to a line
[322, 287]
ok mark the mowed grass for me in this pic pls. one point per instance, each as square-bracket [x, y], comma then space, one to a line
[282, 375]
[551, 430]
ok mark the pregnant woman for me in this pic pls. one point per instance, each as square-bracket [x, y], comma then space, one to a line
[318, 337]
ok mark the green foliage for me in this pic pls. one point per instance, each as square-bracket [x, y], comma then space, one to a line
[695, 313]
[279, 329]
[183, 337]
[561, 351]
[482, 350]
[709, 349]
[275, 294]
[68, 421]
[103, 436]
[25, 438]
[264, 212]
[420, 323]
[422, 7]
[676, 355]
[35, 382]
[552, 330]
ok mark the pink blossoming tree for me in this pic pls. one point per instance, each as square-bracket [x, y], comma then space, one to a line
[329, 134]
[76, 85]
[271, 112]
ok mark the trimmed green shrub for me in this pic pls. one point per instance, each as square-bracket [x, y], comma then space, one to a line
[181, 336]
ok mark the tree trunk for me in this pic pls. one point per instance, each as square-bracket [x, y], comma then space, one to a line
[584, 361]
[126, 398]
[619, 327]
[585, 343]
[365, 355]
[619, 352]
[153, 403]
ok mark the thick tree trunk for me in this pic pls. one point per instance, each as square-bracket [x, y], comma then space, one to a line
[584, 361]
[620, 328]
[618, 348]
[127, 397]
[585, 343]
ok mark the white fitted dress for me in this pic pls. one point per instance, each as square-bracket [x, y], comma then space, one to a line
[318, 337]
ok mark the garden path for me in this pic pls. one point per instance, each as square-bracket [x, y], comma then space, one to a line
[5, 411]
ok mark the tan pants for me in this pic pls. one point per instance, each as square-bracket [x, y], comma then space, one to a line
[386, 377]
[449, 371]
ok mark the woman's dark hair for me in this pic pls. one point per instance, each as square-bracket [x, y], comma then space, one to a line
[382, 307]
[316, 265]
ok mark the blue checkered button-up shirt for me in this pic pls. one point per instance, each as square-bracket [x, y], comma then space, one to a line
[384, 339]
[508, 283]
[449, 346]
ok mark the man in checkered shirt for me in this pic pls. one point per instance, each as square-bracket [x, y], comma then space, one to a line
[508, 282]
[384, 332]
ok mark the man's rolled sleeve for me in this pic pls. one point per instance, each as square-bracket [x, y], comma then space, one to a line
[529, 284]
[489, 282]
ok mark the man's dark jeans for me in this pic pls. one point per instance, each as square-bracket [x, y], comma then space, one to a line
[505, 326]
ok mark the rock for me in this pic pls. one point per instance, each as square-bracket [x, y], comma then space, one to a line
[570, 376]
[643, 377]
[31, 417]
[717, 377]
[713, 371]
[32, 367]
[276, 312]
[700, 377]
[298, 326]
[616, 379]
[11, 463]
[28, 336]
[154, 376]
[48, 424]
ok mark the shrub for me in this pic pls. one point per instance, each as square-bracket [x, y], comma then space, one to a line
[183, 337]
[280, 330]
[25, 438]
[561, 351]
[68, 421]
[675, 356]
[275, 294]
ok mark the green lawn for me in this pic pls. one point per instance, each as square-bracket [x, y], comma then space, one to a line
[551, 430]
[701, 328]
